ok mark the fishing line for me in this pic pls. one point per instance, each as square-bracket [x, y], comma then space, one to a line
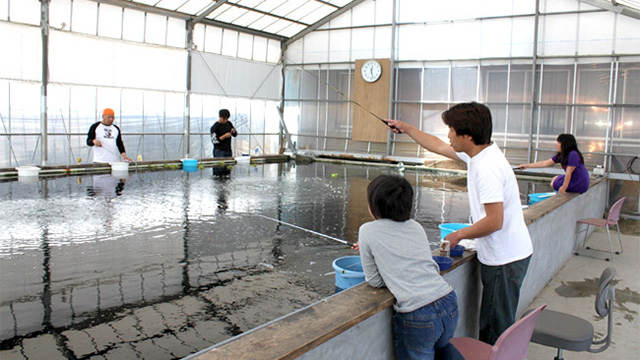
[307, 230]
[10, 145]
[341, 93]
[73, 156]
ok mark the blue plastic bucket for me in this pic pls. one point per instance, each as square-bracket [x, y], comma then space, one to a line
[448, 228]
[189, 165]
[537, 197]
[348, 272]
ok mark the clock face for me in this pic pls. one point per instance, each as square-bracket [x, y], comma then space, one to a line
[371, 71]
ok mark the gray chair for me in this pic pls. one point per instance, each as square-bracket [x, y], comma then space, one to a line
[568, 332]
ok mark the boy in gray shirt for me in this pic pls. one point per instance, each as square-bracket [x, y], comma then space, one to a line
[395, 253]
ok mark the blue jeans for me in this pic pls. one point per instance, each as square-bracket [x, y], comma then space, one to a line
[500, 296]
[221, 153]
[424, 333]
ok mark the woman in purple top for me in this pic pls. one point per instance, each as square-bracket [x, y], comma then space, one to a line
[576, 177]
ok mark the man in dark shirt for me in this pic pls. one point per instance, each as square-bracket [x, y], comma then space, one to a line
[221, 133]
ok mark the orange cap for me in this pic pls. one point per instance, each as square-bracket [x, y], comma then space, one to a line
[108, 111]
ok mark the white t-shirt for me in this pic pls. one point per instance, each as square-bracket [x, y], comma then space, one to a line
[108, 152]
[490, 179]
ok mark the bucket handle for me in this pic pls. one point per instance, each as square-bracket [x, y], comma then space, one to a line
[350, 275]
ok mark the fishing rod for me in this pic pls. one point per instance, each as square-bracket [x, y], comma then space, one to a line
[307, 230]
[343, 95]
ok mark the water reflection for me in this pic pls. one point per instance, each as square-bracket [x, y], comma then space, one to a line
[222, 171]
[107, 185]
[78, 261]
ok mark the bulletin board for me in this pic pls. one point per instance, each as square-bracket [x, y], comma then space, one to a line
[374, 97]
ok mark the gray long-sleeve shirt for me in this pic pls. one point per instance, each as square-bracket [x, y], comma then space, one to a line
[397, 255]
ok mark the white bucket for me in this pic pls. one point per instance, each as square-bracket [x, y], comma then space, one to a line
[28, 171]
[28, 179]
[119, 166]
[120, 174]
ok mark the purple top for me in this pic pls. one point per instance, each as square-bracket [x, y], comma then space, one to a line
[579, 178]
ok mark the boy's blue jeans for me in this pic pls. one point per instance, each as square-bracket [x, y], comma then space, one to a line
[424, 333]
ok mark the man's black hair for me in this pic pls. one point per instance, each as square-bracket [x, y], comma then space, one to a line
[471, 119]
[390, 197]
[224, 113]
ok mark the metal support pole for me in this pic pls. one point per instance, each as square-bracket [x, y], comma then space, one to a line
[186, 122]
[534, 66]
[610, 119]
[44, 25]
[614, 100]
[284, 133]
[393, 72]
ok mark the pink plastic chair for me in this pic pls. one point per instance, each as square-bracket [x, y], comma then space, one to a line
[513, 344]
[612, 219]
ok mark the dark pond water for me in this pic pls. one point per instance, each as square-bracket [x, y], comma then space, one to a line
[162, 264]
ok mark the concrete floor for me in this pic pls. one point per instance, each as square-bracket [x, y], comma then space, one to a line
[573, 291]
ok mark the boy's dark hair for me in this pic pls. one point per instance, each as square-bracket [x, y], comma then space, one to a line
[390, 197]
[567, 145]
[471, 119]
[224, 113]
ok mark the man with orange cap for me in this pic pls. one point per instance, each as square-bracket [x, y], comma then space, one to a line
[107, 139]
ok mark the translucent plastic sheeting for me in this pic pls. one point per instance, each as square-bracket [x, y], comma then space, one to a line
[595, 33]
[558, 35]
[231, 43]
[420, 10]
[219, 75]
[84, 60]
[60, 14]
[110, 21]
[24, 11]
[624, 43]
[84, 17]
[4, 9]
[21, 52]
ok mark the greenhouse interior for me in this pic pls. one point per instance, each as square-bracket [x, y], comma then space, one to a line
[181, 178]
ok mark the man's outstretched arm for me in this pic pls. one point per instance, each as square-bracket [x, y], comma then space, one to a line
[427, 141]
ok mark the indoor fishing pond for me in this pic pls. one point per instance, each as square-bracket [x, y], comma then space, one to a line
[162, 264]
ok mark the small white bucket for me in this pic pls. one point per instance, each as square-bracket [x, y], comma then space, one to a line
[119, 166]
[28, 171]
[120, 174]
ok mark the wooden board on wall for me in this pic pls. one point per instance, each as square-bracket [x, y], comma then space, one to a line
[374, 97]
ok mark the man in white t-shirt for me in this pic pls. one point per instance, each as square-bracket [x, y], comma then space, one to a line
[107, 139]
[502, 238]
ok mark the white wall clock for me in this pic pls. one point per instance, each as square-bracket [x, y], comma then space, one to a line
[371, 71]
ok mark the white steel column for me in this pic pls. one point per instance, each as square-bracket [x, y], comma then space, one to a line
[44, 25]
[186, 122]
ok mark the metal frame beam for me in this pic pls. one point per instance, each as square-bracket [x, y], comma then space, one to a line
[328, 3]
[267, 14]
[243, 29]
[146, 8]
[208, 11]
[613, 6]
[323, 21]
